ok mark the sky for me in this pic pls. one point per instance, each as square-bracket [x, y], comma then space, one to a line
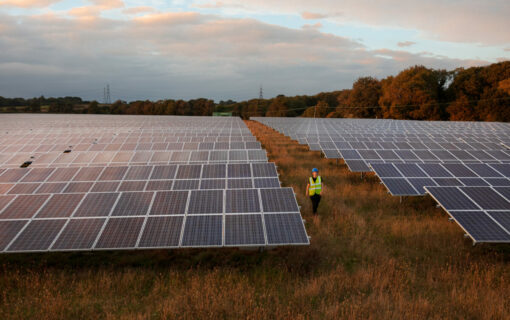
[156, 49]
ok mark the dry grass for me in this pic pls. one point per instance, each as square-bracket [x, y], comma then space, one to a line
[370, 258]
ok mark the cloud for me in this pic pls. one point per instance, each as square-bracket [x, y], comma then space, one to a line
[314, 26]
[138, 10]
[96, 7]
[404, 44]
[312, 16]
[470, 21]
[184, 55]
[28, 3]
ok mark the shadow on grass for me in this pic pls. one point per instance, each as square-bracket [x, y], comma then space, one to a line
[299, 260]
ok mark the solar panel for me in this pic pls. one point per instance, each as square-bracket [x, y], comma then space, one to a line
[79, 234]
[285, 229]
[399, 187]
[133, 204]
[8, 230]
[385, 170]
[240, 183]
[242, 201]
[189, 172]
[266, 183]
[161, 232]
[203, 231]
[96, 205]
[37, 236]
[264, 170]
[169, 203]
[23, 207]
[214, 171]
[480, 226]
[246, 229]
[451, 198]
[486, 198]
[186, 184]
[60, 206]
[120, 233]
[206, 201]
[279, 200]
[239, 170]
[115, 189]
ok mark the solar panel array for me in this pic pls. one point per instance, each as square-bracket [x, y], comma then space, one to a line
[412, 158]
[75, 195]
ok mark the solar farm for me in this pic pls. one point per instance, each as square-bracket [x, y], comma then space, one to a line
[105, 216]
[92, 182]
[464, 166]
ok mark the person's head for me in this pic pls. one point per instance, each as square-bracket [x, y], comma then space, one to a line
[315, 172]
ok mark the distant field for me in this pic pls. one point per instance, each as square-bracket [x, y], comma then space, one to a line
[370, 258]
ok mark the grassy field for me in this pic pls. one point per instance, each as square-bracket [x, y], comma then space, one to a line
[370, 258]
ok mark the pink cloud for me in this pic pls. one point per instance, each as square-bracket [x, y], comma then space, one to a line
[471, 21]
[312, 16]
[137, 10]
[406, 44]
[28, 3]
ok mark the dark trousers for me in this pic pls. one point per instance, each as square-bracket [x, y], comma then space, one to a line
[316, 198]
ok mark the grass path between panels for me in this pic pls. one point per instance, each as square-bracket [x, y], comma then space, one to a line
[370, 258]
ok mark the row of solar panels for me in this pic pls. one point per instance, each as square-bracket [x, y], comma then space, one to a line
[482, 212]
[327, 125]
[136, 185]
[201, 218]
[405, 145]
[407, 179]
[158, 172]
[119, 188]
[59, 159]
[43, 121]
[358, 160]
[468, 175]
[161, 146]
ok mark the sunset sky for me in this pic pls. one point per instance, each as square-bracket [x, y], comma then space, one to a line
[226, 49]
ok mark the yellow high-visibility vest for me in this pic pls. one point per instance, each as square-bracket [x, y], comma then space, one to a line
[315, 187]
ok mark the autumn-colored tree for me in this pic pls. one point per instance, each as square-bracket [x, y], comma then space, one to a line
[462, 110]
[363, 99]
[318, 111]
[277, 108]
[415, 93]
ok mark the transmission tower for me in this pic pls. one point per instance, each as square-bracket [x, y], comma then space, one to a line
[106, 95]
[108, 98]
[261, 96]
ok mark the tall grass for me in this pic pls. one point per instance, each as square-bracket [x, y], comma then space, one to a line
[370, 258]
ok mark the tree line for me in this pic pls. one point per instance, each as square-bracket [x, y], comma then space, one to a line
[418, 93]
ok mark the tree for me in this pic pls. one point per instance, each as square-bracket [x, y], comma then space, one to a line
[277, 108]
[415, 93]
[93, 107]
[364, 98]
[318, 111]
[462, 110]
[35, 105]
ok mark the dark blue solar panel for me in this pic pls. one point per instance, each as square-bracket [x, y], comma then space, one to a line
[399, 187]
[487, 198]
[480, 226]
[385, 170]
[451, 198]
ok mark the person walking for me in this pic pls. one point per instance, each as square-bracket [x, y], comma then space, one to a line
[314, 189]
